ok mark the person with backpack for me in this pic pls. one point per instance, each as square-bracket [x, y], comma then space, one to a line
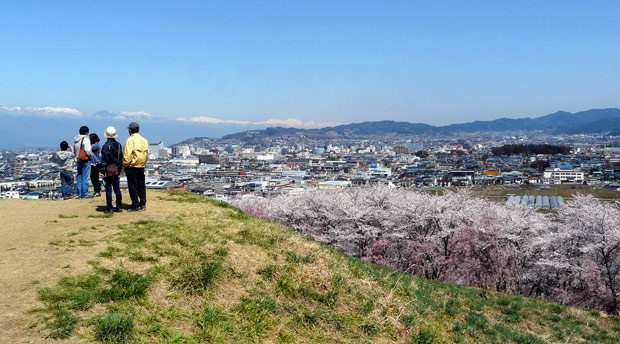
[83, 152]
[94, 168]
[111, 164]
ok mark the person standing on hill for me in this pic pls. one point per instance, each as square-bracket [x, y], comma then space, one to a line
[83, 152]
[94, 168]
[111, 166]
[65, 158]
[136, 154]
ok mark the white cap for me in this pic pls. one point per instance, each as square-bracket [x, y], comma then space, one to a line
[110, 133]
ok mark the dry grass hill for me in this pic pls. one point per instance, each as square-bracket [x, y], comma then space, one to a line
[190, 270]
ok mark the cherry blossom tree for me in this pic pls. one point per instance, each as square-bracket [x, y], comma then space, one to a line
[584, 252]
[572, 256]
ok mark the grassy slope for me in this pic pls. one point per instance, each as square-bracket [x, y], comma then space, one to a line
[224, 276]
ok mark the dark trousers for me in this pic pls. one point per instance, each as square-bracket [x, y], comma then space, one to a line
[94, 178]
[136, 186]
[112, 184]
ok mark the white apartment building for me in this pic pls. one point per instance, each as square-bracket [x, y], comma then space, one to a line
[559, 175]
[158, 151]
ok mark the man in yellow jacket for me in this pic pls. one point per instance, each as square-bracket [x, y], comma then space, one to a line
[135, 155]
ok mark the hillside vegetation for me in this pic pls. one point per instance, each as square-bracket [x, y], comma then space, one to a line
[213, 274]
[570, 255]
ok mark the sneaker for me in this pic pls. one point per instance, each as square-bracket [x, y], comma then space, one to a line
[118, 210]
[108, 211]
[132, 209]
[69, 197]
[97, 194]
[88, 197]
[142, 208]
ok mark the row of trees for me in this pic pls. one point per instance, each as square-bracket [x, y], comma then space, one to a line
[572, 257]
[531, 149]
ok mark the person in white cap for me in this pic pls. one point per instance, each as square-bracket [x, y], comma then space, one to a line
[111, 166]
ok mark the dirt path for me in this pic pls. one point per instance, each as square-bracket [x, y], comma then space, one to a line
[37, 247]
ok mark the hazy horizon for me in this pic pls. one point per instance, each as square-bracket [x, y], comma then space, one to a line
[46, 127]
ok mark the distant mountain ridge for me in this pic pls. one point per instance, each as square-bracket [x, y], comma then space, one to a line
[354, 129]
[43, 129]
[560, 122]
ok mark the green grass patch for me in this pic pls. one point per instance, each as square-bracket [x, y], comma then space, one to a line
[512, 309]
[126, 285]
[196, 278]
[63, 216]
[62, 325]
[477, 320]
[110, 252]
[294, 258]
[254, 236]
[555, 308]
[286, 286]
[339, 282]
[453, 307]
[101, 216]
[77, 292]
[139, 256]
[214, 325]
[81, 292]
[69, 243]
[425, 335]
[268, 272]
[86, 243]
[114, 328]
[254, 312]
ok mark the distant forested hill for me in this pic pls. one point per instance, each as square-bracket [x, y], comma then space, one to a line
[590, 121]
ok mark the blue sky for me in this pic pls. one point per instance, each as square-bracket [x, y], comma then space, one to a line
[437, 62]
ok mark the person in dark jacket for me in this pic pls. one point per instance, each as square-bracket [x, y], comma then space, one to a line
[112, 153]
[96, 164]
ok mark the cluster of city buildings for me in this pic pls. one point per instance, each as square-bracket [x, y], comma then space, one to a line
[227, 168]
